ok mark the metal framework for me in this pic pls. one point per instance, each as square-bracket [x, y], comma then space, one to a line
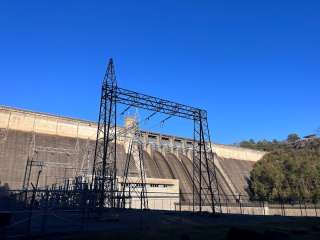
[130, 188]
[104, 171]
[33, 160]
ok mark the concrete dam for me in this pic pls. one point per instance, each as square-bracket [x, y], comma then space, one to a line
[66, 147]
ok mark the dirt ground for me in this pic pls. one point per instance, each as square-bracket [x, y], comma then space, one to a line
[154, 225]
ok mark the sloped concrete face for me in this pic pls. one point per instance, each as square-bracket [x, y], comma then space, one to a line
[72, 144]
[14, 155]
[238, 172]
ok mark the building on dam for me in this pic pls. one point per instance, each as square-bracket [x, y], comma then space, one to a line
[65, 147]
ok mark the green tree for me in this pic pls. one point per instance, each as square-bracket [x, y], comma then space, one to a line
[248, 144]
[293, 137]
[287, 172]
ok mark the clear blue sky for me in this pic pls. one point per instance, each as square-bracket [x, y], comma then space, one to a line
[254, 65]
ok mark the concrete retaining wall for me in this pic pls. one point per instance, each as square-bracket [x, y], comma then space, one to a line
[271, 210]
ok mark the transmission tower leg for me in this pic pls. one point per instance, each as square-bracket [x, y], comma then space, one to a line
[204, 171]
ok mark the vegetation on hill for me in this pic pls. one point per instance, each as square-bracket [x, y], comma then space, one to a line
[269, 146]
[290, 171]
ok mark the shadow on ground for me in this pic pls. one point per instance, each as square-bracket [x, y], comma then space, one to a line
[154, 225]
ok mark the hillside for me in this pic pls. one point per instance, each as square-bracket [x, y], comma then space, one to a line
[290, 171]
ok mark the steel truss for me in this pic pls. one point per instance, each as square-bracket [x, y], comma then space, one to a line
[104, 179]
[133, 188]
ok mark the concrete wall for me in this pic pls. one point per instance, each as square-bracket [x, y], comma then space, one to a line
[27, 121]
[267, 210]
[238, 172]
[167, 157]
[233, 152]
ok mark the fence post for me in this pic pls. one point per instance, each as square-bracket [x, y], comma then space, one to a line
[227, 203]
[300, 207]
[283, 207]
[305, 206]
[31, 209]
[240, 204]
[26, 199]
[83, 206]
[45, 213]
[279, 201]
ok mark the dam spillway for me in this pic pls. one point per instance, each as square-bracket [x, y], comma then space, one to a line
[68, 146]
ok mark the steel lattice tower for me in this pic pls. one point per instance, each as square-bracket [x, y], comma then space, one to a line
[104, 170]
[206, 188]
[205, 182]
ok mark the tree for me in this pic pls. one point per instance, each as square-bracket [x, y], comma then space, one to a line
[288, 172]
[293, 137]
[248, 144]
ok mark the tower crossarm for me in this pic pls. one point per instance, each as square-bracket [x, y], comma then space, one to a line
[155, 104]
